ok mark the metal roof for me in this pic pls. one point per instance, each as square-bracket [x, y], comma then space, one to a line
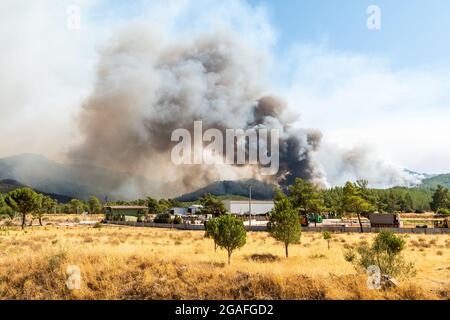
[126, 207]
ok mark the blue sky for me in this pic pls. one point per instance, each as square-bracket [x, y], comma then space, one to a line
[414, 32]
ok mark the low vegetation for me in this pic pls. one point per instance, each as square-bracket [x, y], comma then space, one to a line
[145, 263]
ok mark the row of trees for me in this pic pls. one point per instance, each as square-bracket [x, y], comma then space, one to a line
[441, 201]
[27, 202]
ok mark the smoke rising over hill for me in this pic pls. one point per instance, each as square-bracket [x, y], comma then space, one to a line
[148, 85]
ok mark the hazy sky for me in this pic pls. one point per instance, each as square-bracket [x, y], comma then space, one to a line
[387, 90]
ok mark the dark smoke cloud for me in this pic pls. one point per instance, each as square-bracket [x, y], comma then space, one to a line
[148, 86]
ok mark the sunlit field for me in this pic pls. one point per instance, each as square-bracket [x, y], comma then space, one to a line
[145, 263]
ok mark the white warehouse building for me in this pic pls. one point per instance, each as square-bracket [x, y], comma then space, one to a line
[243, 207]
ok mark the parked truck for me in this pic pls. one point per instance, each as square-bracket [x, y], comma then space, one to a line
[441, 223]
[384, 220]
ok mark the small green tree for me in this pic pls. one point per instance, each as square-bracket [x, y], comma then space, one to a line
[385, 252]
[443, 211]
[212, 231]
[5, 210]
[355, 203]
[94, 205]
[212, 205]
[152, 205]
[231, 234]
[76, 206]
[163, 205]
[47, 204]
[327, 237]
[284, 224]
[25, 201]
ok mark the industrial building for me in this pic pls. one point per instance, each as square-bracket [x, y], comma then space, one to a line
[239, 207]
[182, 211]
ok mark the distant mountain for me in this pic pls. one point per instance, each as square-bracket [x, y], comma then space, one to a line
[74, 181]
[434, 181]
[8, 185]
[260, 190]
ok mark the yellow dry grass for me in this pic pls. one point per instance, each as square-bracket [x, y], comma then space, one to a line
[144, 263]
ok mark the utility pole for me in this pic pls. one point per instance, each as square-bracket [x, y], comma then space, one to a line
[250, 205]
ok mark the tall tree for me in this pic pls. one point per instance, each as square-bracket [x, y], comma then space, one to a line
[6, 210]
[334, 201]
[94, 205]
[76, 206]
[152, 205]
[284, 224]
[212, 205]
[47, 205]
[306, 197]
[25, 201]
[440, 199]
[355, 203]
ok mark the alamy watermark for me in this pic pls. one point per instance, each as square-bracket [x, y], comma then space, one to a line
[374, 19]
[73, 281]
[73, 21]
[374, 277]
[242, 147]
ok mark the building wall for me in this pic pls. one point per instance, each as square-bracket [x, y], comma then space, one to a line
[127, 212]
[243, 207]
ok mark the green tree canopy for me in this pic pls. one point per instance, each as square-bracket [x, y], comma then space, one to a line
[354, 202]
[440, 199]
[212, 205]
[25, 201]
[152, 205]
[284, 224]
[385, 252]
[47, 205]
[327, 237]
[306, 197]
[94, 205]
[231, 234]
[212, 231]
[76, 206]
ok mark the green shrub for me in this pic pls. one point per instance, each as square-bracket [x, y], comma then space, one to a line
[163, 218]
[177, 220]
[444, 211]
[8, 223]
[97, 225]
[231, 234]
[385, 252]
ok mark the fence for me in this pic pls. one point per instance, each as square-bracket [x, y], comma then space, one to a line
[305, 229]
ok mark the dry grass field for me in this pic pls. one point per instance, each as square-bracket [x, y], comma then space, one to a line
[144, 263]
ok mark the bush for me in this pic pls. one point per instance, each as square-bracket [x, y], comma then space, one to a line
[97, 225]
[444, 211]
[8, 223]
[385, 252]
[231, 234]
[163, 218]
[178, 220]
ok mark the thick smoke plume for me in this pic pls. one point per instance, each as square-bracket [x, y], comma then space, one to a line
[148, 86]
